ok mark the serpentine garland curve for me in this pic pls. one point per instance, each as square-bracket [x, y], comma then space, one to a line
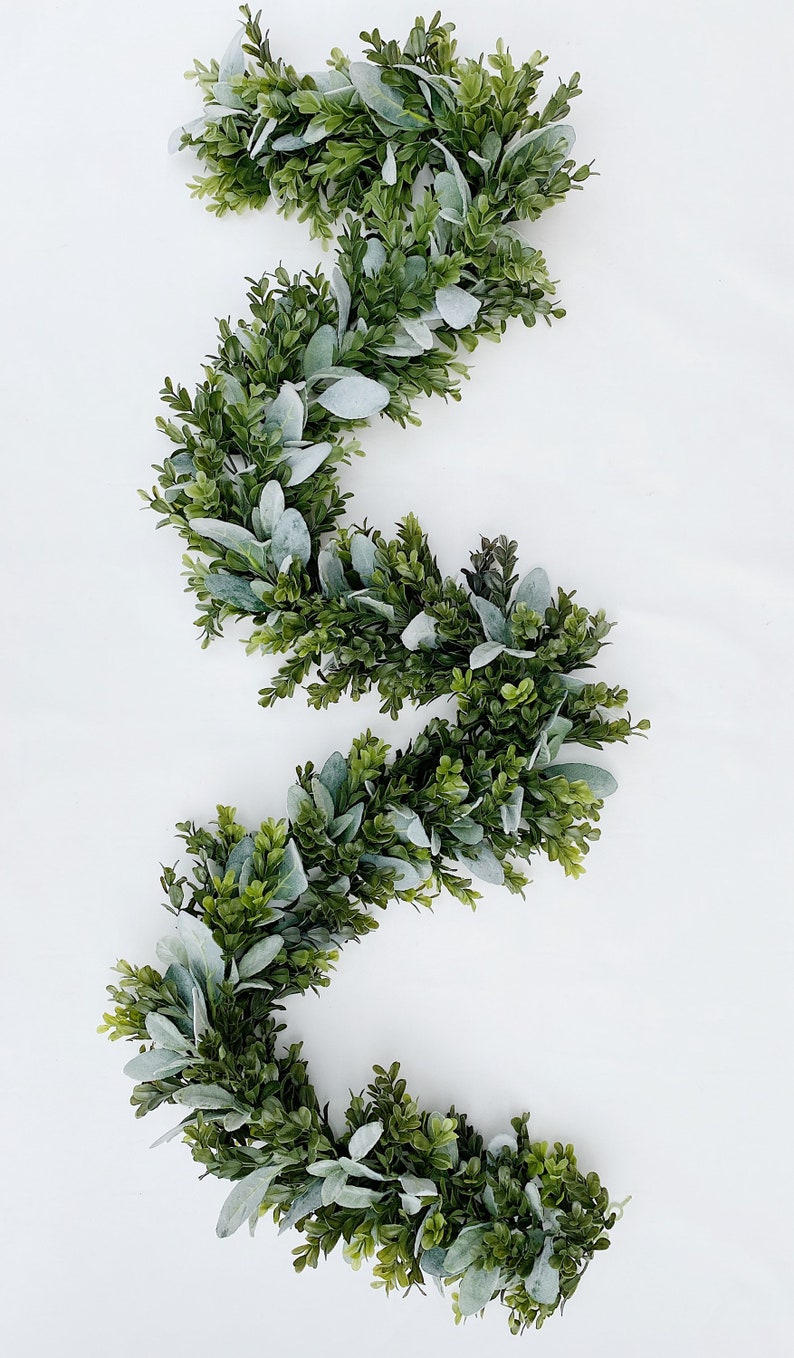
[424, 162]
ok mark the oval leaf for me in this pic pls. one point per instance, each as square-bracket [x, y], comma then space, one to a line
[244, 1200]
[457, 307]
[364, 1139]
[260, 956]
[355, 397]
[291, 538]
[600, 782]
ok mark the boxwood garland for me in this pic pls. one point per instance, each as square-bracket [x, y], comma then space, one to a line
[428, 159]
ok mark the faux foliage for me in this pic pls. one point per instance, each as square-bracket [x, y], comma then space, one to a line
[420, 164]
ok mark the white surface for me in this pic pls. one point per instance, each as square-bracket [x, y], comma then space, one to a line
[638, 450]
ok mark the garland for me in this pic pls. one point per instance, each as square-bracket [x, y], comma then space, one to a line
[427, 160]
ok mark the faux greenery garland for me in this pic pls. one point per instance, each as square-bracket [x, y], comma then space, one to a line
[428, 160]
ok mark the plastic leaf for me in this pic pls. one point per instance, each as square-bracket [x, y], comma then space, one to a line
[231, 536]
[362, 556]
[157, 1064]
[374, 257]
[320, 351]
[286, 415]
[389, 170]
[355, 397]
[291, 538]
[458, 308]
[242, 851]
[308, 1202]
[483, 655]
[534, 591]
[354, 1196]
[303, 462]
[483, 864]
[260, 956]
[333, 774]
[501, 1142]
[543, 1283]
[205, 959]
[381, 606]
[233, 60]
[494, 623]
[464, 1249]
[332, 1184]
[383, 99]
[341, 291]
[193, 128]
[205, 1097]
[420, 634]
[344, 828]
[476, 1289]
[510, 812]
[364, 1139]
[333, 581]
[408, 826]
[244, 1200]
[406, 876]
[260, 137]
[433, 1262]
[418, 1188]
[599, 781]
[293, 879]
[233, 590]
[323, 799]
[297, 799]
[165, 1033]
[418, 331]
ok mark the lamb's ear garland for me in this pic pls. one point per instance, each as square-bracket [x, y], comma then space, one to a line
[424, 163]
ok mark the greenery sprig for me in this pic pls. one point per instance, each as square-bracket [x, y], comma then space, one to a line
[423, 163]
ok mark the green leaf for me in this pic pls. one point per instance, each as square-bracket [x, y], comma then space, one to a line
[231, 536]
[543, 1283]
[433, 1262]
[271, 506]
[293, 879]
[165, 1033]
[494, 622]
[291, 538]
[534, 591]
[303, 462]
[333, 774]
[233, 590]
[600, 783]
[206, 1097]
[355, 397]
[420, 634]
[382, 99]
[320, 351]
[364, 1139]
[333, 582]
[406, 876]
[483, 655]
[344, 828]
[466, 1247]
[260, 956]
[245, 1200]
[362, 556]
[355, 1196]
[484, 864]
[205, 959]
[457, 307]
[157, 1064]
[477, 1286]
[242, 851]
[309, 1201]
[374, 257]
[297, 799]
[510, 812]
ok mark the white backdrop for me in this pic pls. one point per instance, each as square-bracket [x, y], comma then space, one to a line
[638, 451]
